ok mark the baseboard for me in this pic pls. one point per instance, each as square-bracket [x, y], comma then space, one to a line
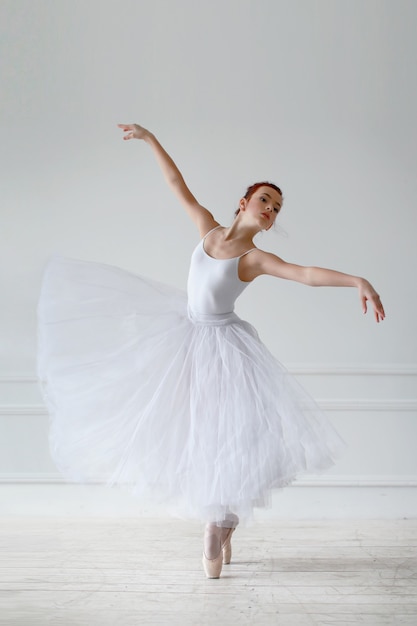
[353, 405]
[302, 369]
[311, 481]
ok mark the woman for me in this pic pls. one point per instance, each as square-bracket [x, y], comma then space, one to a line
[176, 396]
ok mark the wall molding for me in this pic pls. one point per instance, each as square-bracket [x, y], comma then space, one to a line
[23, 409]
[352, 370]
[307, 481]
[368, 405]
[353, 405]
[298, 369]
[6, 380]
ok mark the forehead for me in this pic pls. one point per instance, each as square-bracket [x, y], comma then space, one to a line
[271, 193]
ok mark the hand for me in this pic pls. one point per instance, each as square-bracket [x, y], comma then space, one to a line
[134, 131]
[367, 292]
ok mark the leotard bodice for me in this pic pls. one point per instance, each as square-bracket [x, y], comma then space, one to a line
[213, 284]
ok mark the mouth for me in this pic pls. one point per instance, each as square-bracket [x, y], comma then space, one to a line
[266, 216]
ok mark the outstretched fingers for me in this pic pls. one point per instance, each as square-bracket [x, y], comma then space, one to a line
[368, 293]
[128, 129]
[134, 131]
[378, 308]
[379, 312]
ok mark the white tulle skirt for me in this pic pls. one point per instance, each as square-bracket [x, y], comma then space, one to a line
[192, 411]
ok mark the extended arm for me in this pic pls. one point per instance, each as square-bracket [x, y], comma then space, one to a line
[203, 219]
[266, 263]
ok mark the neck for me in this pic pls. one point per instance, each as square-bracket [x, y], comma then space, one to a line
[240, 230]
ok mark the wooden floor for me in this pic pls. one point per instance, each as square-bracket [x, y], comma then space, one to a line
[138, 572]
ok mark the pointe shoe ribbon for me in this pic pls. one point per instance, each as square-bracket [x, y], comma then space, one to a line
[213, 567]
[227, 547]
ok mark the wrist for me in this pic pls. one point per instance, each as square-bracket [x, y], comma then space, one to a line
[149, 137]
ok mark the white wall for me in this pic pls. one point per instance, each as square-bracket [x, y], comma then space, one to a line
[318, 96]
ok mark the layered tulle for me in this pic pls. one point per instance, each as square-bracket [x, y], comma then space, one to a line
[191, 410]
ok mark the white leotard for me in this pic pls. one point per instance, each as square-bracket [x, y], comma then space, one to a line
[213, 284]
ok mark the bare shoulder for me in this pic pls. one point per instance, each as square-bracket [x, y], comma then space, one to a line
[269, 262]
[255, 264]
[260, 262]
[264, 260]
[204, 220]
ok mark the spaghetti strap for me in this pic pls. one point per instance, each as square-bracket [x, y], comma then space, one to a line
[247, 252]
[216, 228]
[212, 230]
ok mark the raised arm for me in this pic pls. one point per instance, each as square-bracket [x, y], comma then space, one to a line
[203, 219]
[267, 263]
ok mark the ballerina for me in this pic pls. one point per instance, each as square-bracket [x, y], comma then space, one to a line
[172, 393]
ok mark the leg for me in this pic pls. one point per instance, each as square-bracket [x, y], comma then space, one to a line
[217, 545]
[212, 540]
[212, 552]
[228, 526]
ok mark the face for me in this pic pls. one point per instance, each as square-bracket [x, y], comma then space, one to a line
[263, 206]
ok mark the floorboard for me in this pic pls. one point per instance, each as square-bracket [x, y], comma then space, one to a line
[108, 572]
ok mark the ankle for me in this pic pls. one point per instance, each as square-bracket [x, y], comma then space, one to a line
[230, 521]
[212, 541]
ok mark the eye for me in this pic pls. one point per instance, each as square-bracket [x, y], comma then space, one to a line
[263, 199]
[276, 210]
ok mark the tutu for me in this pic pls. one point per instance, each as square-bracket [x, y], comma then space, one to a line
[185, 407]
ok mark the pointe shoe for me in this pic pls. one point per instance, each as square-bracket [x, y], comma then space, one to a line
[232, 521]
[213, 567]
[227, 547]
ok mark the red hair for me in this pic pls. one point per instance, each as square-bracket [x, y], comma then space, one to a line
[252, 188]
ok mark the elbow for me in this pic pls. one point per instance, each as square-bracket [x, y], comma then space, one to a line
[309, 277]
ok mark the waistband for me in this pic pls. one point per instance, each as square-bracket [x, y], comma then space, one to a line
[220, 319]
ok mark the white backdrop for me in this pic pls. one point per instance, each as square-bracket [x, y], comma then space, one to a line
[319, 97]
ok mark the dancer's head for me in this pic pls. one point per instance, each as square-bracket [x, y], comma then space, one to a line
[263, 200]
